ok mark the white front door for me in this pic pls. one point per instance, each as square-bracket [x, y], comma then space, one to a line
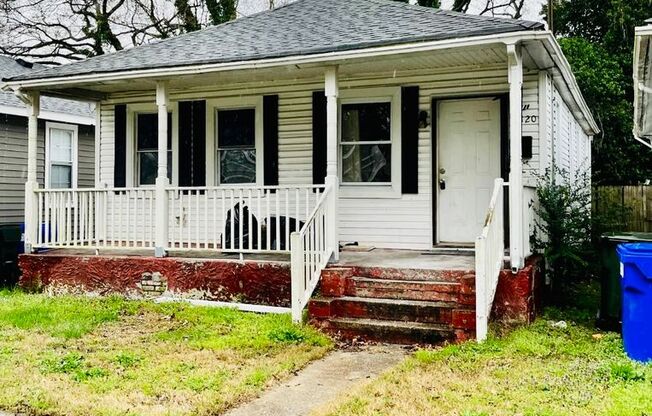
[468, 137]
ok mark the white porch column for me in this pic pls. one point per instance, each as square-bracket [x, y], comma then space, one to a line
[515, 74]
[332, 178]
[161, 222]
[31, 199]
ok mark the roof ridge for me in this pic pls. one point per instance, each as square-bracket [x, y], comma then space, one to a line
[181, 35]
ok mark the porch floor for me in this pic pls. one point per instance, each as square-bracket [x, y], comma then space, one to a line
[377, 257]
[407, 259]
[183, 254]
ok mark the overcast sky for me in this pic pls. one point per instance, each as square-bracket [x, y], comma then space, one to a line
[530, 12]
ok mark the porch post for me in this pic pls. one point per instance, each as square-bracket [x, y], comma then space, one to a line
[515, 75]
[31, 199]
[332, 178]
[161, 222]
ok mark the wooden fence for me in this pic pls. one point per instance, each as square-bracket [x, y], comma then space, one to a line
[634, 201]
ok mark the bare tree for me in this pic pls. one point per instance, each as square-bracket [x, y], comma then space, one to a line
[58, 31]
[503, 8]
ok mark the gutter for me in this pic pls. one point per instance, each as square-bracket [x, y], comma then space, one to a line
[557, 56]
[324, 58]
[319, 58]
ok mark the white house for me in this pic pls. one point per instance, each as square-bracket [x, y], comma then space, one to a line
[344, 121]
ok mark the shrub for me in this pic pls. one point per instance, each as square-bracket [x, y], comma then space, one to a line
[563, 224]
[567, 232]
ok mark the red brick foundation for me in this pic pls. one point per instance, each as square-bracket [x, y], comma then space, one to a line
[225, 280]
[518, 296]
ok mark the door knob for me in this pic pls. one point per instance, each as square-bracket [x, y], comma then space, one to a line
[442, 171]
[442, 184]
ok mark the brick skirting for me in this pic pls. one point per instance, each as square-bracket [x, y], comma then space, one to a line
[259, 282]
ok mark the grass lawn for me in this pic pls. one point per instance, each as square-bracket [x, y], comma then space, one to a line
[535, 370]
[110, 356]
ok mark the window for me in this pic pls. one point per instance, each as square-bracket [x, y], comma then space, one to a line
[147, 148]
[236, 146]
[366, 143]
[61, 155]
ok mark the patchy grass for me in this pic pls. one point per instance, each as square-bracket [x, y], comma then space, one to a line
[537, 370]
[110, 356]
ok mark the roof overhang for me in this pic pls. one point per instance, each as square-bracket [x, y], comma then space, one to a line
[546, 53]
[643, 85]
[49, 115]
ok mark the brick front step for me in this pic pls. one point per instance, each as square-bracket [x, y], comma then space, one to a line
[439, 275]
[396, 305]
[437, 291]
[396, 332]
[387, 309]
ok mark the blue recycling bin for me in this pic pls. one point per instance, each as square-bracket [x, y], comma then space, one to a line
[636, 273]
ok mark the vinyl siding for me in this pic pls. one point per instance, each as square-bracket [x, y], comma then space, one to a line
[571, 145]
[530, 125]
[400, 222]
[13, 163]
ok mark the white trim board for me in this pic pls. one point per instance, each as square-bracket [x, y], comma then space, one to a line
[245, 307]
[75, 151]
[391, 95]
[212, 107]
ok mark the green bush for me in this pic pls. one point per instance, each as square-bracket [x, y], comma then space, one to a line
[567, 232]
[563, 225]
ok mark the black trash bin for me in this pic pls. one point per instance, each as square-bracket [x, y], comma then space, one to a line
[610, 314]
[10, 246]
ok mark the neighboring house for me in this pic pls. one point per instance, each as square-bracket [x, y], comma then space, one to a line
[643, 84]
[65, 144]
[319, 123]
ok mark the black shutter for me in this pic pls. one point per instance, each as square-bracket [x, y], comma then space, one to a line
[120, 149]
[318, 137]
[192, 143]
[409, 140]
[270, 139]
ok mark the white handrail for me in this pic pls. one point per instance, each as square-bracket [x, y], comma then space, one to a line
[489, 258]
[311, 248]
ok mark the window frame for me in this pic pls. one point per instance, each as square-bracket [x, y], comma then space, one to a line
[391, 95]
[212, 148]
[74, 129]
[132, 166]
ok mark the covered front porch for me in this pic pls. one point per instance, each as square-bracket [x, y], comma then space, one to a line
[305, 197]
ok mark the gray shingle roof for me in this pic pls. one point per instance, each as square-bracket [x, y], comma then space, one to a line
[10, 67]
[299, 28]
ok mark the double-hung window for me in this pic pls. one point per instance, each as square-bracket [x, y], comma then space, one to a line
[147, 148]
[366, 143]
[236, 145]
[61, 155]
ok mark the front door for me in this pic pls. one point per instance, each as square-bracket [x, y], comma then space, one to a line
[468, 153]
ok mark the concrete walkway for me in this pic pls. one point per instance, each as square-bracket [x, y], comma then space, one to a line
[322, 381]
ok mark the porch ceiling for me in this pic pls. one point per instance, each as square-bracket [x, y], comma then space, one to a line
[487, 55]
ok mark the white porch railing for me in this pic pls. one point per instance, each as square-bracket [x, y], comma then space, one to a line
[239, 219]
[95, 218]
[312, 248]
[489, 258]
